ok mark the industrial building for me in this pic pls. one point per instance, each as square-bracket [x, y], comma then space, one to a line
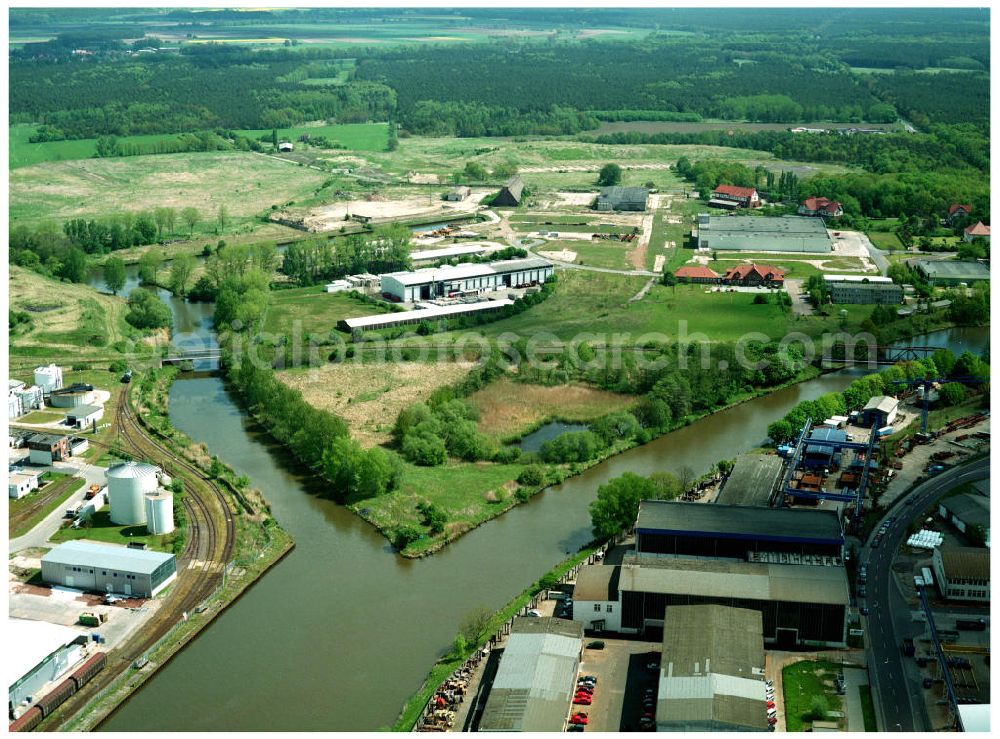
[72, 396]
[36, 654]
[458, 193]
[21, 483]
[422, 312]
[510, 194]
[966, 512]
[753, 481]
[963, 573]
[106, 568]
[800, 604]
[536, 679]
[879, 411]
[979, 230]
[863, 290]
[622, 198]
[22, 399]
[47, 448]
[464, 279]
[821, 456]
[952, 272]
[49, 378]
[730, 196]
[711, 670]
[675, 528]
[83, 416]
[749, 233]
[128, 484]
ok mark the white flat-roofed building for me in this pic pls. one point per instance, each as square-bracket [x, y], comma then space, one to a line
[84, 415]
[106, 568]
[863, 290]
[963, 573]
[20, 484]
[37, 653]
[434, 282]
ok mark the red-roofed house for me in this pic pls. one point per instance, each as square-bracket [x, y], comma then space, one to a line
[979, 231]
[822, 207]
[696, 273]
[755, 275]
[730, 196]
[958, 212]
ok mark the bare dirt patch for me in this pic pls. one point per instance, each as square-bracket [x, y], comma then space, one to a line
[507, 408]
[370, 396]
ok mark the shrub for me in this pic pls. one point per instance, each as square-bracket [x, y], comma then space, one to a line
[533, 474]
[405, 535]
[118, 366]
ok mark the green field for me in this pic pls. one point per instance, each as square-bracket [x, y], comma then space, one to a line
[885, 240]
[607, 254]
[246, 184]
[806, 684]
[354, 136]
[41, 417]
[796, 266]
[101, 528]
[313, 311]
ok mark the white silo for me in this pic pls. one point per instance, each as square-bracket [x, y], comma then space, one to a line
[160, 512]
[128, 482]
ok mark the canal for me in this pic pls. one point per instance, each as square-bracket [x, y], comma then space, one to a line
[342, 631]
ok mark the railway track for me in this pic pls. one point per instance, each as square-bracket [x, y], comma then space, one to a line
[211, 537]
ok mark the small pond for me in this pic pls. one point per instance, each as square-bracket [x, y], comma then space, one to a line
[533, 441]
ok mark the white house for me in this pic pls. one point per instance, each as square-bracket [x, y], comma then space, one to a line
[21, 483]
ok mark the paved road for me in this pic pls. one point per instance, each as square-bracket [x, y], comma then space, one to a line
[889, 614]
[800, 300]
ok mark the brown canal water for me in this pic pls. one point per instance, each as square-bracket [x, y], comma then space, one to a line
[342, 631]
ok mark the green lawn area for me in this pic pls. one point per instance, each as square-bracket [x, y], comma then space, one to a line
[459, 488]
[60, 485]
[41, 417]
[355, 136]
[809, 686]
[102, 529]
[608, 254]
[886, 240]
[868, 707]
[309, 310]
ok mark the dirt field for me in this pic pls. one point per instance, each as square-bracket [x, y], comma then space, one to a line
[370, 396]
[507, 408]
[330, 217]
[246, 183]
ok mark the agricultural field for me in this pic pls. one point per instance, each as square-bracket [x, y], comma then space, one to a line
[509, 409]
[311, 311]
[64, 317]
[369, 396]
[246, 184]
[23, 153]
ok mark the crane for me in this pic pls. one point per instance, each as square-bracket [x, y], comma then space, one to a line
[927, 382]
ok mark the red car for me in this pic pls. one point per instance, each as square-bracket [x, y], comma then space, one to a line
[581, 700]
[771, 704]
[579, 718]
[584, 689]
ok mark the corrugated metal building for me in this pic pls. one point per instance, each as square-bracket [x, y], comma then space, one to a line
[510, 193]
[36, 654]
[951, 272]
[433, 282]
[967, 511]
[880, 410]
[712, 670]
[622, 198]
[753, 480]
[534, 685]
[109, 569]
[963, 573]
[749, 233]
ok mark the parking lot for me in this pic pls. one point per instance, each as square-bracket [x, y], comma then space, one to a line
[622, 675]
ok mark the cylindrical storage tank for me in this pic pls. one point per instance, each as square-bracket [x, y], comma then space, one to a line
[160, 512]
[127, 484]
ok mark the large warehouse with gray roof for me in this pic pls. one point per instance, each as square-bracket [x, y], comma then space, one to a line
[750, 233]
[534, 685]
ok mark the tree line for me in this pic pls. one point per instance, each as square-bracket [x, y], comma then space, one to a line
[384, 249]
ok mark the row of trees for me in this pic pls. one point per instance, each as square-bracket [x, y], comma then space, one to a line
[123, 230]
[385, 249]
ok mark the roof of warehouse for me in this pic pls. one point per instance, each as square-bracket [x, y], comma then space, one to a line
[467, 270]
[718, 578]
[970, 508]
[739, 521]
[29, 642]
[618, 194]
[84, 410]
[712, 668]
[859, 278]
[533, 686]
[751, 481]
[596, 582]
[953, 268]
[84, 553]
[966, 562]
[429, 313]
[767, 225]
[884, 403]
[449, 251]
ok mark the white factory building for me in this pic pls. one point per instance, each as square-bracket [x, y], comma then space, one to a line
[106, 568]
[49, 378]
[37, 653]
[22, 399]
[466, 279]
[21, 483]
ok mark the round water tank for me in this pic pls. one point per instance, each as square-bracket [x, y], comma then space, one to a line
[127, 484]
[160, 512]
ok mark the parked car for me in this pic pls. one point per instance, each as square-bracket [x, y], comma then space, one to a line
[595, 645]
[592, 678]
[575, 727]
[533, 613]
[579, 718]
[582, 700]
